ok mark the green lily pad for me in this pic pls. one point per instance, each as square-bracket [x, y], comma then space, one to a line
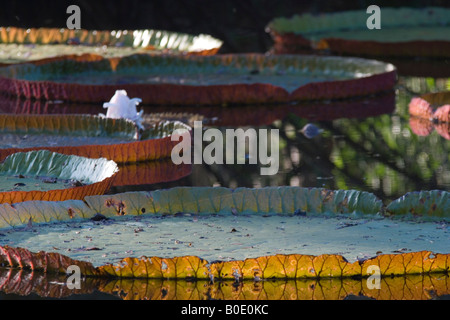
[86, 135]
[44, 175]
[54, 165]
[397, 24]
[404, 31]
[434, 203]
[245, 233]
[193, 80]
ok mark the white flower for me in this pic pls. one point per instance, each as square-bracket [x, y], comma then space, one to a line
[120, 106]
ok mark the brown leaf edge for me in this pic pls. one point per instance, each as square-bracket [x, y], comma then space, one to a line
[292, 266]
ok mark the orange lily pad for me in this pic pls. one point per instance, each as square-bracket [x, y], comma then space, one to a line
[265, 267]
[113, 139]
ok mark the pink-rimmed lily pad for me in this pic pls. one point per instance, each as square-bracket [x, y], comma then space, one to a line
[201, 80]
[431, 106]
[430, 112]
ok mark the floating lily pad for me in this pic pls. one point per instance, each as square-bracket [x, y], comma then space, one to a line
[21, 45]
[434, 203]
[194, 80]
[45, 175]
[88, 136]
[289, 201]
[242, 218]
[404, 32]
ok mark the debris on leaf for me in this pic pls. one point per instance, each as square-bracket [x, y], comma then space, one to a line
[99, 217]
[300, 212]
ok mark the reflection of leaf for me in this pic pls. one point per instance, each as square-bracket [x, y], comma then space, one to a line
[412, 287]
[24, 282]
[50, 262]
[150, 172]
[397, 288]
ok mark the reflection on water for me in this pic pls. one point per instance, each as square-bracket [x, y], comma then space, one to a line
[380, 153]
[17, 283]
[365, 144]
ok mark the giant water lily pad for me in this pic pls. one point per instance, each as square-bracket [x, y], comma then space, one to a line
[218, 233]
[193, 80]
[89, 136]
[45, 175]
[21, 45]
[423, 203]
[404, 32]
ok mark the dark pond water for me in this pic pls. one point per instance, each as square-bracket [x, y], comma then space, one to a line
[366, 144]
[18, 284]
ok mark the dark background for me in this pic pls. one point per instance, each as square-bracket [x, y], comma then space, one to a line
[239, 23]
